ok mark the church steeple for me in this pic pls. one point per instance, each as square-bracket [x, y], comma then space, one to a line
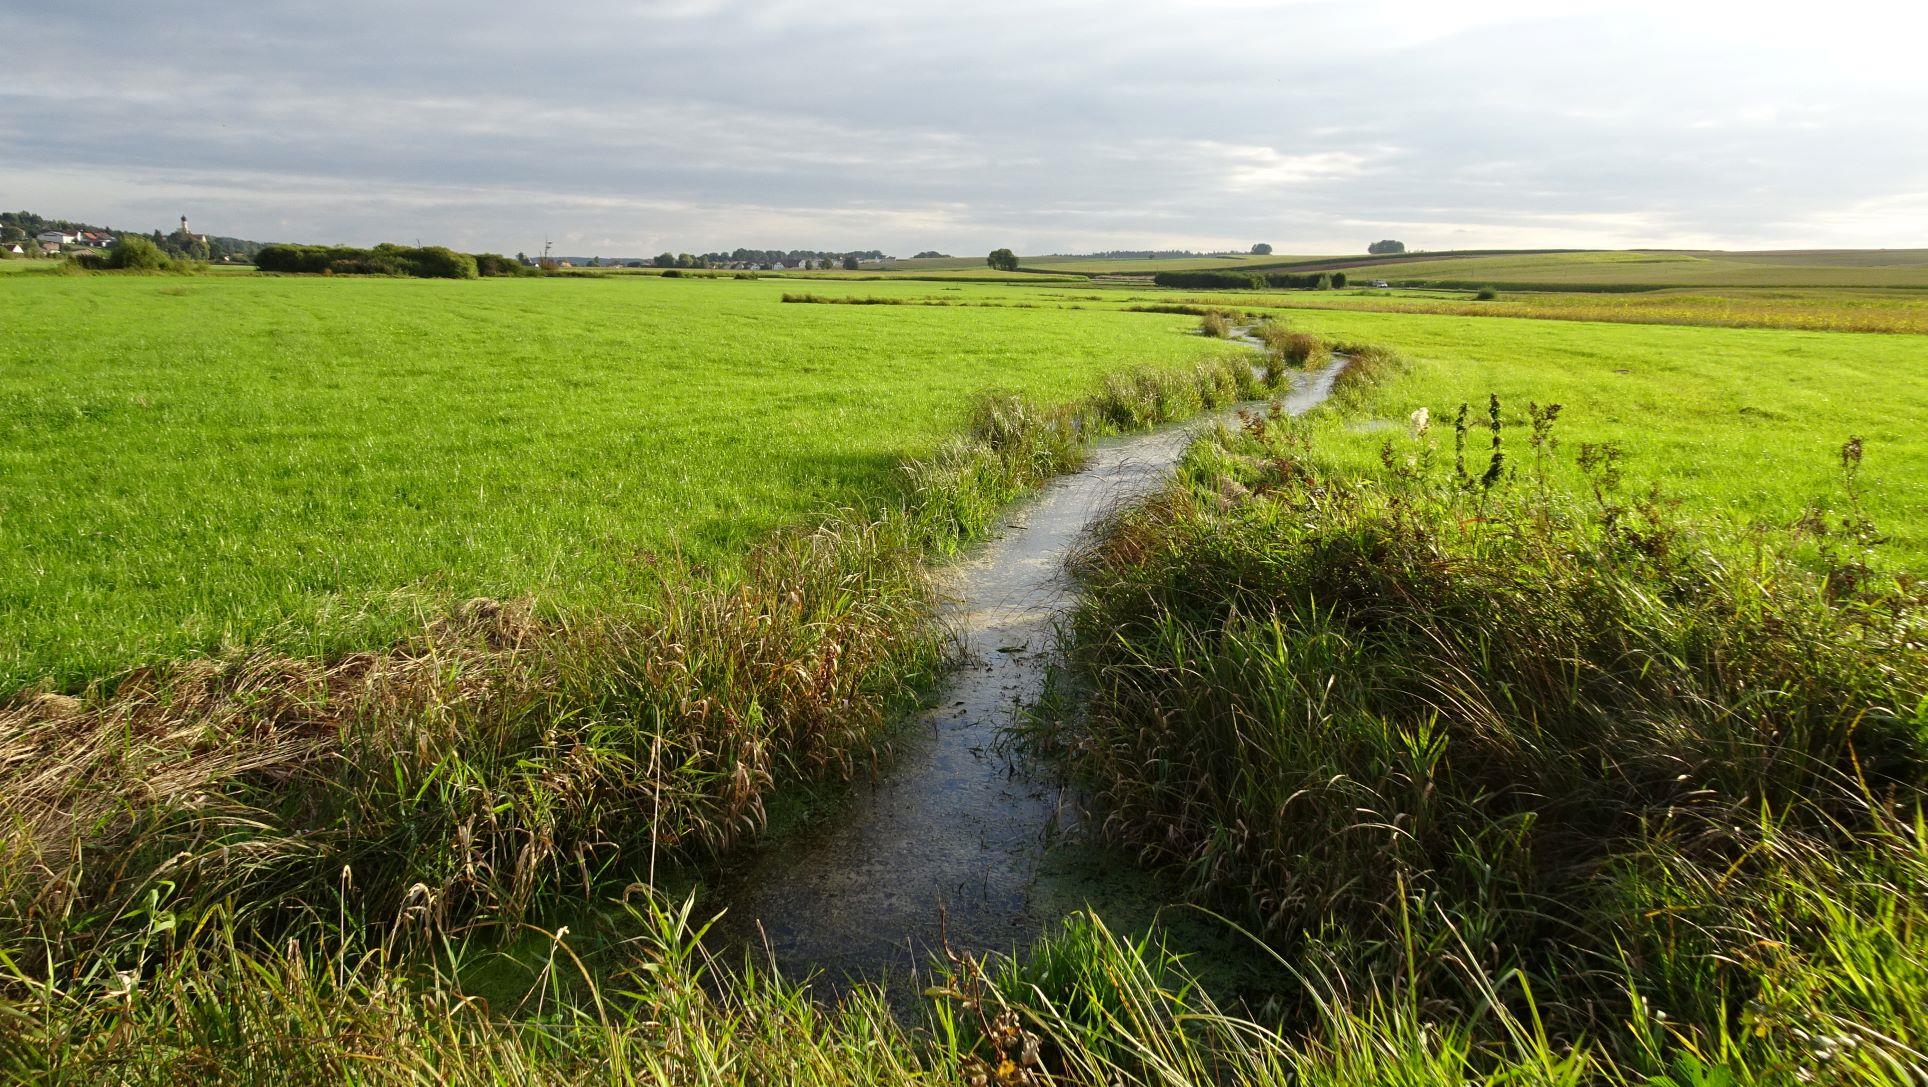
[184, 224]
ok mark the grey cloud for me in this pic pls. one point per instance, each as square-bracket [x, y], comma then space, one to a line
[1046, 126]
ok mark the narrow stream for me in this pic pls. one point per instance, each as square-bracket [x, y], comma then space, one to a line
[953, 840]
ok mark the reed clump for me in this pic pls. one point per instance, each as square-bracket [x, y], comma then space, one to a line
[1458, 738]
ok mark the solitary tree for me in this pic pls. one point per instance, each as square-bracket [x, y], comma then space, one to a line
[1003, 260]
[665, 260]
[1387, 246]
[850, 263]
[1261, 250]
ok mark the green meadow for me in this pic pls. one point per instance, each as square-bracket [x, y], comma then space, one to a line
[1518, 769]
[1742, 424]
[307, 463]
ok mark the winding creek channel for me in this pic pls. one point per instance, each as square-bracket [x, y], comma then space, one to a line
[954, 840]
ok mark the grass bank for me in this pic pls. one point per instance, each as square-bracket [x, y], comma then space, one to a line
[1486, 737]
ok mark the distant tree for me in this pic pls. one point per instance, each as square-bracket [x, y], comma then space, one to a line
[1387, 246]
[521, 257]
[685, 260]
[1261, 250]
[665, 260]
[851, 263]
[1002, 260]
[930, 253]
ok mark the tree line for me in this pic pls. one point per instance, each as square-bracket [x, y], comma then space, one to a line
[1256, 281]
[421, 262]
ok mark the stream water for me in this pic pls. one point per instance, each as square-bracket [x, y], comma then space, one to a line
[954, 840]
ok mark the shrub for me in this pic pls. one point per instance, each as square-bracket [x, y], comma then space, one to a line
[133, 252]
[1215, 325]
[429, 262]
[438, 262]
[495, 264]
[1486, 294]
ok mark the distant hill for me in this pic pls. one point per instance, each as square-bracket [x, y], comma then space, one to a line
[19, 225]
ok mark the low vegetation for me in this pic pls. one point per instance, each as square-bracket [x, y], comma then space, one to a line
[1542, 765]
[1258, 281]
[421, 262]
[388, 800]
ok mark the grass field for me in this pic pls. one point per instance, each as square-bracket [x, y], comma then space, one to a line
[304, 462]
[1514, 780]
[1743, 424]
[1746, 422]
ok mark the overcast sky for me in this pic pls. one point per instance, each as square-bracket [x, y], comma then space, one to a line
[626, 128]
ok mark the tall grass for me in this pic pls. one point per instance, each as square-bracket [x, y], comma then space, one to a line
[1086, 1007]
[1471, 746]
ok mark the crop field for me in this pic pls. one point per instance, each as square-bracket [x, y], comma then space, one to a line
[305, 462]
[1593, 271]
[1663, 268]
[1839, 309]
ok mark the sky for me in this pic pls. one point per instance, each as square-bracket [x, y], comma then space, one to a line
[629, 128]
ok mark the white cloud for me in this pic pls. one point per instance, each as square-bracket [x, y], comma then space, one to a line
[1252, 167]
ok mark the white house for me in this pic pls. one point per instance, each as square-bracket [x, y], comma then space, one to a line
[54, 237]
[16, 251]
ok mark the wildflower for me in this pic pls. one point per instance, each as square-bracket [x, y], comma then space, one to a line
[1420, 421]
